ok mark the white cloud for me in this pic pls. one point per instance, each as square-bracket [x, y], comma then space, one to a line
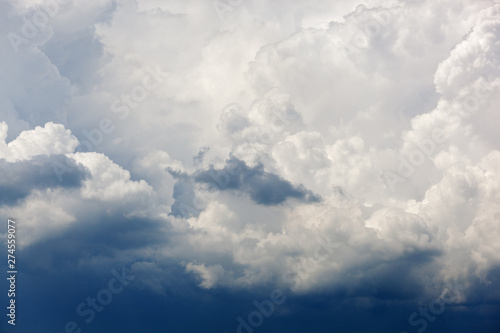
[47, 140]
[108, 181]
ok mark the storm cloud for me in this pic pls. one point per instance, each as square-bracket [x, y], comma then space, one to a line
[263, 187]
[19, 179]
[340, 158]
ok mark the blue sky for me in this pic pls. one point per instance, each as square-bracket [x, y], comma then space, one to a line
[251, 166]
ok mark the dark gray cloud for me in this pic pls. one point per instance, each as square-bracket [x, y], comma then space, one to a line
[18, 179]
[184, 197]
[201, 154]
[263, 187]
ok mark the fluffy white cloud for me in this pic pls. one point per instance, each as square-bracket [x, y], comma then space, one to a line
[47, 140]
[350, 155]
[108, 181]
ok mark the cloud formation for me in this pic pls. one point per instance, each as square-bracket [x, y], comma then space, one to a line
[346, 153]
[263, 187]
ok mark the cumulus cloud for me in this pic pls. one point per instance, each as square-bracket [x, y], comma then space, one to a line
[47, 140]
[344, 152]
[20, 178]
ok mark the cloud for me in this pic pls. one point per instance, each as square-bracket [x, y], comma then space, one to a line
[344, 152]
[19, 179]
[263, 187]
[108, 181]
[47, 140]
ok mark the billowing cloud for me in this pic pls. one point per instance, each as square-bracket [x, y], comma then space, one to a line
[20, 178]
[263, 187]
[47, 140]
[345, 153]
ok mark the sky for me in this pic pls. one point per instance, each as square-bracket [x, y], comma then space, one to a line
[251, 166]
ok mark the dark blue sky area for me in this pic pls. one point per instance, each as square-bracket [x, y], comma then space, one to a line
[49, 301]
